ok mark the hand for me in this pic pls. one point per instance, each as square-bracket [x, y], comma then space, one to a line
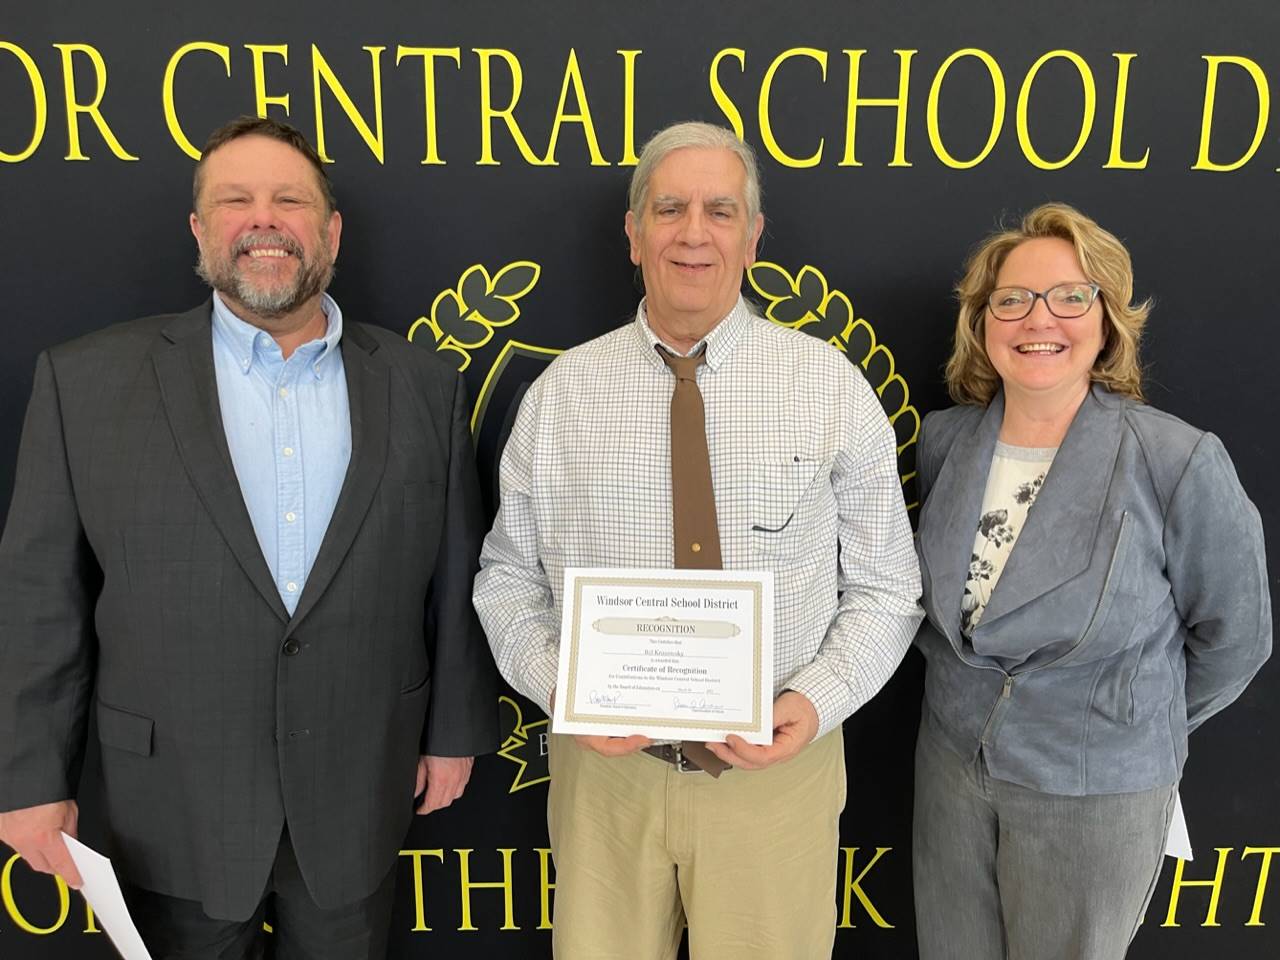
[34, 832]
[613, 746]
[795, 723]
[443, 779]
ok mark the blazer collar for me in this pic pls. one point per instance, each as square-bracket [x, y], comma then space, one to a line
[188, 385]
[368, 392]
[1057, 541]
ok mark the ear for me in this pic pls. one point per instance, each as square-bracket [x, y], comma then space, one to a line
[335, 234]
[632, 228]
[196, 230]
[753, 241]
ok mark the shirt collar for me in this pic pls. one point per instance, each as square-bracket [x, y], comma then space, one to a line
[249, 343]
[719, 341]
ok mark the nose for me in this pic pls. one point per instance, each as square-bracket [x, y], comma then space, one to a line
[694, 227]
[264, 214]
[1039, 316]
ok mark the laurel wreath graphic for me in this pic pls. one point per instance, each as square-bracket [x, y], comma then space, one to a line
[463, 318]
[806, 302]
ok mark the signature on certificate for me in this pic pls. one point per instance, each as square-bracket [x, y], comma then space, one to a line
[692, 703]
[596, 697]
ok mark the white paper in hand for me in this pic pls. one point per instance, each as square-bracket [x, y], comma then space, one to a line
[1178, 843]
[102, 890]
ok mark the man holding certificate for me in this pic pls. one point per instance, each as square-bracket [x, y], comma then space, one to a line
[702, 564]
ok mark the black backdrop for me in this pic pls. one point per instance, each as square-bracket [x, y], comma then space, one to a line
[94, 232]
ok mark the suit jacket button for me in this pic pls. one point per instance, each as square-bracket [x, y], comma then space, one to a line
[291, 647]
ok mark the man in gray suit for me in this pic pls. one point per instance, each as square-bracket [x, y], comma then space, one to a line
[246, 536]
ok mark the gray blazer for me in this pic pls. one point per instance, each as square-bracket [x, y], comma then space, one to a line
[1134, 605]
[129, 568]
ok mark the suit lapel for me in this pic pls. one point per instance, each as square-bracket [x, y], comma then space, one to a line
[955, 501]
[368, 390]
[188, 387]
[1057, 541]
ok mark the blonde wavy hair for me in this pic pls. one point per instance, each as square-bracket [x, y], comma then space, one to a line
[971, 378]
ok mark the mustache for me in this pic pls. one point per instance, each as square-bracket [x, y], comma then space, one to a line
[266, 238]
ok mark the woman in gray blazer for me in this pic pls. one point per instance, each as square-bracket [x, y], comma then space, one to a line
[1096, 588]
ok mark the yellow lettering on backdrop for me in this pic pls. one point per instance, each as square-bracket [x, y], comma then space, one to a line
[1264, 871]
[997, 108]
[75, 107]
[261, 99]
[899, 103]
[545, 886]
[727, 106]
[766, 126]
[1116, 161]
[1086, 119]
[488, 113]
[1175, 890]
[38, 101]
[853, 887]
[1210, 96]
[428, 55]
[573, 78]
[320, 70]
[170, 111]
[16, 915]
[90, 923]
[505, 885]
[629, 158]
[419, 900]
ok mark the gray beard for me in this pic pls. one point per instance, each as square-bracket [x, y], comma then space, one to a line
[270, 303]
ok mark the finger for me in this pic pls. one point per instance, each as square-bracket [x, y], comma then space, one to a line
[60, 861]
[621, 746]
[420, 778]
[735, 758]
[724, 753]
[442, 795]
[34, 859]
[753, 756]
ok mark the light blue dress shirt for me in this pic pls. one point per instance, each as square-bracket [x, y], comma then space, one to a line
[288, 426]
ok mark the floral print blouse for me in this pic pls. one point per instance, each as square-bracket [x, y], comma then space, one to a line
[1017, 474]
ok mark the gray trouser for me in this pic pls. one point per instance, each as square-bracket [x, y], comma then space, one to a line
[1002, 871]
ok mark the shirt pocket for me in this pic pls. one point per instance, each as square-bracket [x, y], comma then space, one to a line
[779, 496]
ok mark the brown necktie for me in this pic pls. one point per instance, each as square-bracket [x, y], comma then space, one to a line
[693, 502]
[696, 532]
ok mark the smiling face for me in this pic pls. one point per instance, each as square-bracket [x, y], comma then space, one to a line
[692, 242]
[1042, 358]
[267, 238]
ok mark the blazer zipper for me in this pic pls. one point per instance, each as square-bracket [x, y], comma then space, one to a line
[1007, 689]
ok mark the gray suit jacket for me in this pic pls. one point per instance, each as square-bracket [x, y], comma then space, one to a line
[129, 568]
[1134, 605]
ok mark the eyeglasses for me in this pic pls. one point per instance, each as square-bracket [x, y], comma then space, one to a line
[1066, 301]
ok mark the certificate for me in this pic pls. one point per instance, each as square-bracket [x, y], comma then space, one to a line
[671, 654]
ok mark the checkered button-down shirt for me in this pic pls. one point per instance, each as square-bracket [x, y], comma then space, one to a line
[804, 466]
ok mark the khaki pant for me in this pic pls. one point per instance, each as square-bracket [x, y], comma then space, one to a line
[748, 861]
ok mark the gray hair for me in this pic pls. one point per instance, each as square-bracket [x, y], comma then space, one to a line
[680, 136]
